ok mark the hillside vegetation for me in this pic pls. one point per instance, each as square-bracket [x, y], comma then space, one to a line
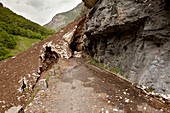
[15, 29]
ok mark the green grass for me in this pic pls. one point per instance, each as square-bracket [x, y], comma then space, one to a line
[34, 93]
[126, 76]
[150, 89]
[116, 70]
[23, 43]
[48, 77]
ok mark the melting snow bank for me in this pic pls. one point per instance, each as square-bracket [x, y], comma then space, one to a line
[165, 98]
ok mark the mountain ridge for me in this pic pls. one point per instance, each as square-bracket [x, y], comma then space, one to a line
[62, 19]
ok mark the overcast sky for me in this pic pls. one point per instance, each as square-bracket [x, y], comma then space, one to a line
[40, 11]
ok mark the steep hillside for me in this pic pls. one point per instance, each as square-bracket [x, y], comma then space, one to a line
[13, 27]
[61, 20]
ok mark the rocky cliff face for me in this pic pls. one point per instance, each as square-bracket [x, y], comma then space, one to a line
[133, 35]
[89, 3]
[61, 20]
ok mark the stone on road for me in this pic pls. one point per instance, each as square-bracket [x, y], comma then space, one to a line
[78, 87]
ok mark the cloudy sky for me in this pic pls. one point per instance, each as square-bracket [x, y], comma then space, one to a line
[40, 11]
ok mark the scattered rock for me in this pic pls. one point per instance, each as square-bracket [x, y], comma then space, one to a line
[24, 84]
[42, 84]
[126, 100]
[77, 54]
[115, 109]
[18, 109]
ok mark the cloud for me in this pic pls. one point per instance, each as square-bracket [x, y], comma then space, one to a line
[38, 4]
[40, 11]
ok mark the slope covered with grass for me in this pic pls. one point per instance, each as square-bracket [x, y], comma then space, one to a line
[15, 29]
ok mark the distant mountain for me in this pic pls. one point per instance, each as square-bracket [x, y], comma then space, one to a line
[14, 28]
[61, 20]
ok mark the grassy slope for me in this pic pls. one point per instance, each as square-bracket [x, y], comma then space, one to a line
[17, 33]
[23, 43]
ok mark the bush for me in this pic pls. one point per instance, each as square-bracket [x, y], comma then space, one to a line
[7, 40]
[4, 52]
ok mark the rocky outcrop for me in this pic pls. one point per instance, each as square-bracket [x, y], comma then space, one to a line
[133, 35]
[89, 3]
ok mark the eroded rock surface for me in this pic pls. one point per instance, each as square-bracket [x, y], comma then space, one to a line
[133, 35]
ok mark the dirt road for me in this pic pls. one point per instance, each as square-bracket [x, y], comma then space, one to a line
[77, 87]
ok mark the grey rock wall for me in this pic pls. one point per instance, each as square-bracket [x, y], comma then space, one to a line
[133, 35]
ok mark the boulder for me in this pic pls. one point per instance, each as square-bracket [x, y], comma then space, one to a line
[15, 109]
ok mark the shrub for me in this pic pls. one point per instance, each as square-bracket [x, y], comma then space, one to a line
[4, 52]
[7, 40]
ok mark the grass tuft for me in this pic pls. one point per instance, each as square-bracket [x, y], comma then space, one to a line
[116, 70]
[34, 93]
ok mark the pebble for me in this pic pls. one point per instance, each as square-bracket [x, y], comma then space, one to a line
[126, 100]
[115, 110]
[107, 111]
[144, 108]
[13, 57]
[3, 101]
